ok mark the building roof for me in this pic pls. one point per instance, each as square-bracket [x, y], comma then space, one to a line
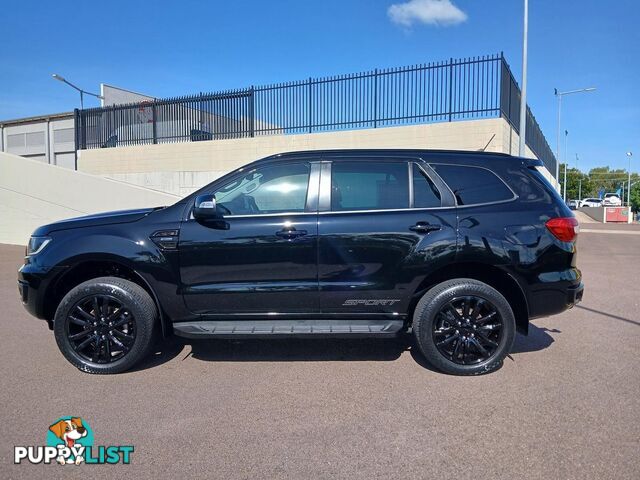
[38, 118]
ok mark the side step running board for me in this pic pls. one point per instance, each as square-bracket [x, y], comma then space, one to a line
[288, 328]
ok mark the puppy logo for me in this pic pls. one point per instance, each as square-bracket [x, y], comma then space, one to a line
[70, 441]
[70, 438]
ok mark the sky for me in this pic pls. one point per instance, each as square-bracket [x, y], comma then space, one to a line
[167, 48]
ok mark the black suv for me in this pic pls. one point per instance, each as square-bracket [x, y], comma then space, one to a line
[461, 249]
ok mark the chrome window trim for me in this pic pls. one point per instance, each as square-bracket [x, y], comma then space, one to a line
[324, 196]
[313, 188]
[258, 215]
[410, 180]
[339, 212]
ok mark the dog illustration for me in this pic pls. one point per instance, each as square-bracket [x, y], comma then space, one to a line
[69, 431]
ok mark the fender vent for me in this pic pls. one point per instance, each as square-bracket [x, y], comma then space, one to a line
[166, 239]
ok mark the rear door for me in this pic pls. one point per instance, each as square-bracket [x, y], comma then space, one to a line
[383, 225]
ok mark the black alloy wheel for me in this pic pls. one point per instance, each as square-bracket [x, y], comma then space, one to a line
[101, 329]
[464, 327]
[467, 330]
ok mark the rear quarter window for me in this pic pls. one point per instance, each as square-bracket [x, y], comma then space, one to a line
[473, 185]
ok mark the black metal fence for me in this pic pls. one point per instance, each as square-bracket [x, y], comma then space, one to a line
[435, 92]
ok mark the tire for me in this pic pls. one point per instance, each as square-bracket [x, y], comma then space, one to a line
[436, 327]
[124, 322]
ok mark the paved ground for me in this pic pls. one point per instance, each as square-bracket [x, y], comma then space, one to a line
[583, 217]
[566, 404]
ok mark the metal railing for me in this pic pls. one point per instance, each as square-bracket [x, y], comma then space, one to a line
[479, 87]
[510, 111]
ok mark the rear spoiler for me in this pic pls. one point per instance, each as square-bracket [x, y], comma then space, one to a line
[532, 162]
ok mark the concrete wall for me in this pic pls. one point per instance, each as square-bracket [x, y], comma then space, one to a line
[34, 193]
[181, 168]
[48, 140]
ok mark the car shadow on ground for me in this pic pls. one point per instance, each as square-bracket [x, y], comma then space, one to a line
[610, 315]
[314, 350]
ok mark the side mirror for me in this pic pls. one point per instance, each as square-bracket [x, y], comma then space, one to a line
[205, 208]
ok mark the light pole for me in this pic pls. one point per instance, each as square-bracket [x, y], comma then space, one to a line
[564, 184]
[629, 155]
[579, 180]
[559, 95]
[523, 95]
[82, 92]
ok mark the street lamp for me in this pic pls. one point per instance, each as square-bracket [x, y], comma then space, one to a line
[564, 183]
[82, 92]
[560, 95]
[523, 94]
[580, 179]
[629, 154]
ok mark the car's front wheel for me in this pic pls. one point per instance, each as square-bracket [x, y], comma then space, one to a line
[105, 325]
[464, 327]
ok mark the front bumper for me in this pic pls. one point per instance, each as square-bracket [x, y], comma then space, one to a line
[33, 282]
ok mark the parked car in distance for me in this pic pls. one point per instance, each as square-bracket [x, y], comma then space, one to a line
[611, 200]
[459, 249]
[572, 204]
[590, 202]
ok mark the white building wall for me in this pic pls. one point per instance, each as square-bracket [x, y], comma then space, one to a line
[46, 140]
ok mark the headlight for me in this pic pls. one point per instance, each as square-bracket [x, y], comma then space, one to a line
[36, 244]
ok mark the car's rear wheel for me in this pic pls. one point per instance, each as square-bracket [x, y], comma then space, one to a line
[464, 327]
[105, 325]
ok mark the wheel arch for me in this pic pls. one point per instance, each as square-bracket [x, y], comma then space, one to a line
[84, 269]
[493, 276]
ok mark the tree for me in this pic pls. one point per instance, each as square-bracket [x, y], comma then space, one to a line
[577, 183]
[599, 178]
[635, 196]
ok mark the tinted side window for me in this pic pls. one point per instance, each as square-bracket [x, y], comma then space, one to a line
[369, 185]
[281, 188]
[472, 185]
[425, 193]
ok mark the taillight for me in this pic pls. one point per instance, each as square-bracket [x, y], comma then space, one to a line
[564, 228]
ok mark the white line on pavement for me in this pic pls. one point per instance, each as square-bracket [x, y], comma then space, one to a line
[627, 232]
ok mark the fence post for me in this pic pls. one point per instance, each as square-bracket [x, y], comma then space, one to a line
[76, 126]
[201, 122]
[509, 104]
[252, 112]
[82, 119]
[375, 99]
[503, 89]
[154, 122]
[450, 88]
[310, 105]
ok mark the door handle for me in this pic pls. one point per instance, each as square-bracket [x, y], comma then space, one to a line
[290, 233]
[424, 227]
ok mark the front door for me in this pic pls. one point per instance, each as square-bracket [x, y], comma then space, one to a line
[386, 226]
[261, 258]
